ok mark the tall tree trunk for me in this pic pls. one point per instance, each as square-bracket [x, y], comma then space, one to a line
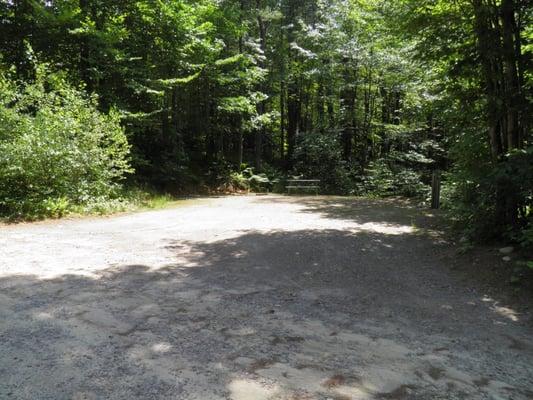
[320, 104]
[523, 116]
[85, 48]
[240, 134]
[293, 116]
[368, 148]
[293, 96]
[24, 26]
[497, 50]
[282, 118]
[176, 113]
[205, 118]
[486, 39]
[348, 112]
[259, 133]
[512, 97]
[397, 107]
[512, 86]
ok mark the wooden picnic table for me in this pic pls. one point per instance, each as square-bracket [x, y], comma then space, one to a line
[303, 184]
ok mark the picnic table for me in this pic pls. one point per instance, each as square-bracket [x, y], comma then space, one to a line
[303, 184]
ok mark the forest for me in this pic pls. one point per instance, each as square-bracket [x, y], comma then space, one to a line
[102, 98]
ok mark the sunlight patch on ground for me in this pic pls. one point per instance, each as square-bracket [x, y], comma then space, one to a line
[386, 229]
[157, 239]
[43, 316]
[502, 311]
[245, 389]
[277, 304]
[506, 312]
[161, 347]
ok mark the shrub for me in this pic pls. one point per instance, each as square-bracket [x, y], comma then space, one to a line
[383, 178]
[238, 181]
[318, 156]
[472, 197]
[57, 151]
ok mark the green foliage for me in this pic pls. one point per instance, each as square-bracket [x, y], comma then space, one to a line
[318, 156]
[57, 151]
[479, 86]
[247, 179]
[526, 235]
[385, 178]
[473, 187]
[239, 182]
[367, 96]
[522, 271]
[260, 183]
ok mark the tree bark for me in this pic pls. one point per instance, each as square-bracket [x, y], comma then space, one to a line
[293, 98]
[512, 87]
[486, 39]
[282, 119]
[495, 29]
[85, 48]
[259, 133]
[24, 33]
[348, 96]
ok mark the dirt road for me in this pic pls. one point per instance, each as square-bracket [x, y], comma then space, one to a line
[251, 298]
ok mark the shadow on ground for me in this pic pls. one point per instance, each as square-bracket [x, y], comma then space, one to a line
[281, 315]
[391, 211]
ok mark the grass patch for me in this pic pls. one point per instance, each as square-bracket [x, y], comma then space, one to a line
[128, 200]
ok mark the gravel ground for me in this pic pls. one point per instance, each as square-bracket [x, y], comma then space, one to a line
[251, 298]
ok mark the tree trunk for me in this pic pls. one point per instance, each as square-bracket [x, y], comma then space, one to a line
[24, 32]
[259, 133]
[512, 86]
[85, 49]
[486, 39]
[293, 98]
[348, 112]
[320, 104]
[497, 50]
[176, 113]
[282, 119]
[240, 134]
[293, 115]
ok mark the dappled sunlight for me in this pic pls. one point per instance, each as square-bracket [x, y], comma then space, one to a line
[282, 381]
[346, 308]
[89, 247]
[506, 312]
[389, 217]
[216, 329]
[161, 348]
[266, 200]
[386, 229]
[247, 389]
[43, 316]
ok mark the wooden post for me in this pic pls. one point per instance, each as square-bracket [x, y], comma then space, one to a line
[435, 190]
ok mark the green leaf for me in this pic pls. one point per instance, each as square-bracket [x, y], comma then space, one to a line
[177, 81]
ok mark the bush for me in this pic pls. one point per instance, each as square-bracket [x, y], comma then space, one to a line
[318, 156]
[57, 151]
[239, 182]
[382, 178]
[472, 196]
[247, 179]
